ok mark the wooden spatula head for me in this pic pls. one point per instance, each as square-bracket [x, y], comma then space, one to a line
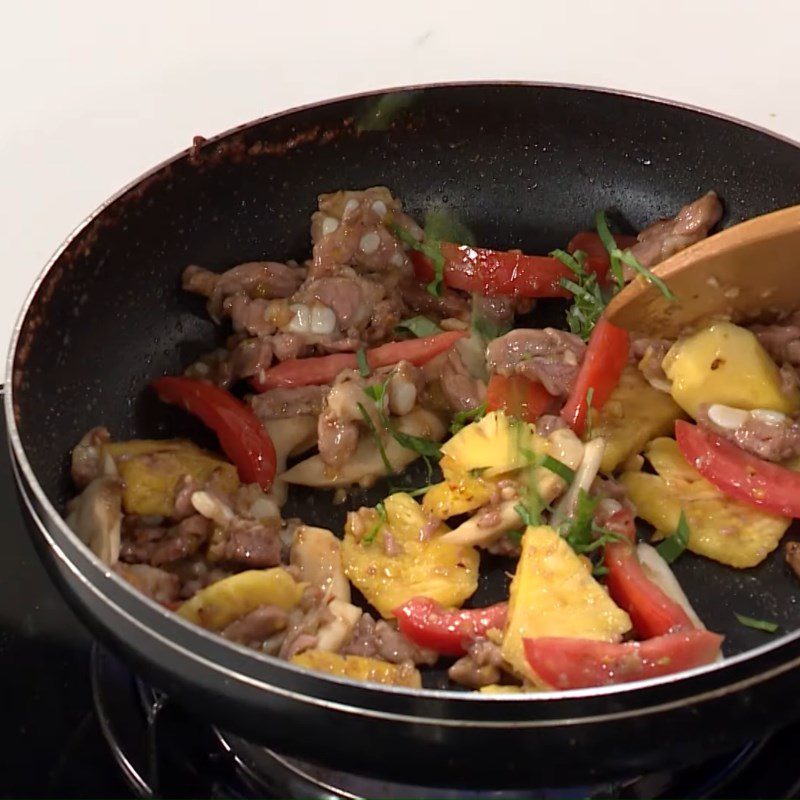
[749, 270]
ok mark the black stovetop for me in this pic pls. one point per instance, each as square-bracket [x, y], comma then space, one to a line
[54, 744]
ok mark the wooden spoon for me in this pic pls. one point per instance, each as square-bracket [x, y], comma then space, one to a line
[746, 271]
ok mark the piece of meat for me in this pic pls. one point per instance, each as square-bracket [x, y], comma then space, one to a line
[666, 237]
[336, 439]
[504, 545]
[495, 315]
[792, 554]
[338, 424]
[252, 316]
[790, 380]
[254, 628]
[157, 584]
[286, 346]
[461, 391]
[773, 437]
[350, 296]
[404, 382]
[246, 543]
[482, 665]
[548, 423]
[251, 357]
[180, 541]
[349, 230]
[304, 622]
[87, 461]
[782, 342]
[648, 355]
[184, 489]
[263, 279]
[215, 367]
[139, 538]
[294, 402]
[381, 640]
[386, 314]
[418, 300]
[194, 574]
[549, 356]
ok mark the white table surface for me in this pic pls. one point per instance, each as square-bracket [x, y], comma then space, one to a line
[94, 92]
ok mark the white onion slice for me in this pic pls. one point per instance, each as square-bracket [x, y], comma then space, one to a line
[584, 477]
[662, 576]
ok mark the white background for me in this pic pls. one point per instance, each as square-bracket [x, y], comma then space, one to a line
[93, 92]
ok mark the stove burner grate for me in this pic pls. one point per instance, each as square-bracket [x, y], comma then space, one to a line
[163, 751]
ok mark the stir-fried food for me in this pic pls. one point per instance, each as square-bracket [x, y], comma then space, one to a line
[395, 343]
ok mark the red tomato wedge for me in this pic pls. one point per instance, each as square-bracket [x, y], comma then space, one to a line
[497, 272]
[738, 474]
[241, 435]
[652, 612]
[324, 369]
[597, 255]
[447, 631]
[602, 366]
[518, 397]
[580, 663]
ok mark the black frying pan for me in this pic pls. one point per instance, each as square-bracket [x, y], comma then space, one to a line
[524, 166]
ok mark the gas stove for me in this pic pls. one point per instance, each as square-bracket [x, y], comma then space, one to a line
[80, 724]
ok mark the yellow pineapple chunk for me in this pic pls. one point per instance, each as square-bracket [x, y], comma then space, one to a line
[492, 446]
[633, 415]
[420, 566]
[726, 364]
[151, 469]
[459, 494]
[553, 593]
[225, 601]
[721, 528]
[360, 668]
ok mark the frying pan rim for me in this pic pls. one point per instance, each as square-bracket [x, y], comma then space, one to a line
[23, 467]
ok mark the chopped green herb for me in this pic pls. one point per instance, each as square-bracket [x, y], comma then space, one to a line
[571, 261]
[431, 250]
[583, 535]
[578, 529]
[463, 418]
[427, 448]
[610, 244]
[589, 303]
[599, 570]
[363, 366]
[619, 257]
[516, 535]
[424, 447]
[442, 226]
[589, 398]
[416, 492]
[376, 393]
[528, 514]
[381, 113]
[375, 529]
[673, 546]
[419, 326]
[758, 624]
[558, 468]
[531, 506]
[629, 259]
[476, 472]
[486, 328]
[377, 437]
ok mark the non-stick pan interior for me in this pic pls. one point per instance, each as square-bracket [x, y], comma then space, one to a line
[522, 166]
